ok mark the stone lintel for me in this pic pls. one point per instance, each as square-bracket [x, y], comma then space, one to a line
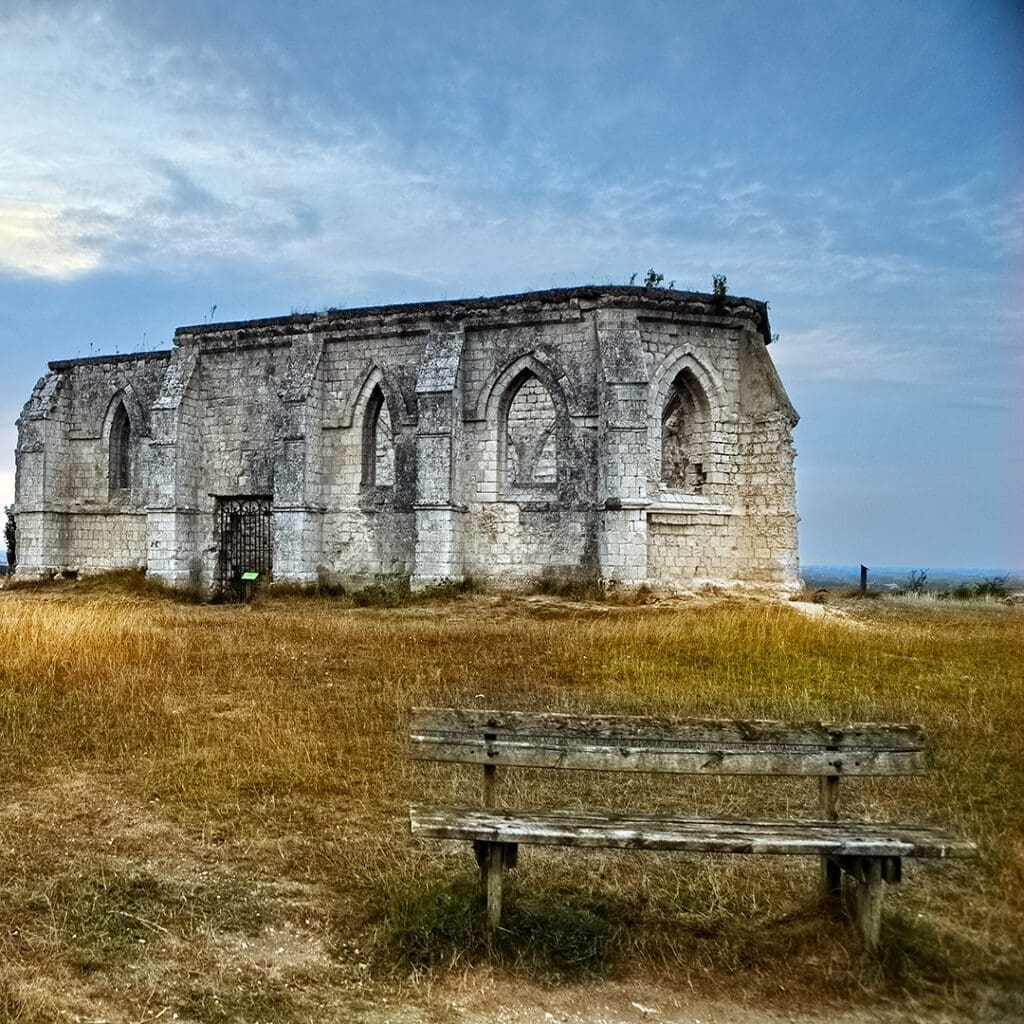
[439, 506]
[614, 504]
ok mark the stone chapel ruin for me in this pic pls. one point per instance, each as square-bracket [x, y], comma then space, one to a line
[627, 434]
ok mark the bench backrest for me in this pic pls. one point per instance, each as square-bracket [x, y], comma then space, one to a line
[693, 746]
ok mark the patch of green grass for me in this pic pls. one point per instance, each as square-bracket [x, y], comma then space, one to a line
[918, 957]
[218, 907]
[570, 588]
[108, 915]
[545, 931]
[119, 583]
[385, 593]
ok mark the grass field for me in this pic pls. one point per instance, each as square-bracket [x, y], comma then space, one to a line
[204, 807]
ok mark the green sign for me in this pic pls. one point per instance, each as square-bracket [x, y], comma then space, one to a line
[248, 576]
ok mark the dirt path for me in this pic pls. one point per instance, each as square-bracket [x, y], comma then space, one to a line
[481, 999]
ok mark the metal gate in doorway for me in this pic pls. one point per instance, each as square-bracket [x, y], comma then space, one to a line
[242, 529]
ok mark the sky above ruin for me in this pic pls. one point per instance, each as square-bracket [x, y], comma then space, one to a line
[859, 166]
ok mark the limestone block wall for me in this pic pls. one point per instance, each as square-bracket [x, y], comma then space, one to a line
[74, 512]
[529, 452]
[368, 441]
[622, 433]
[719, 410]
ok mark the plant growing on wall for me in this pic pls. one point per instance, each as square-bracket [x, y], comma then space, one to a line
[719, 285]
[653, 280]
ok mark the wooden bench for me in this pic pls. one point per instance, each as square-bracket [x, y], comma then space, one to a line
[869, 853]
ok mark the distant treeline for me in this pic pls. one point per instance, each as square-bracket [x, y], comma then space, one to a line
[910, 578]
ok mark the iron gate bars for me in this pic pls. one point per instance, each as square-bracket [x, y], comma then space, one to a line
[242, 524]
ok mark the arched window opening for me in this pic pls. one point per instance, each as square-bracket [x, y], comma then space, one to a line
[120, 451]
[378, 443]
[531, 454]
[684, 425]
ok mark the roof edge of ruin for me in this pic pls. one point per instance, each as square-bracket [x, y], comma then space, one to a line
[121, 357]
[459, 308]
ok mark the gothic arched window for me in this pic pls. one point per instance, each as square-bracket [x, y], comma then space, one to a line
[120, 454]
[528, 430]
[684, 425]
[378, 443]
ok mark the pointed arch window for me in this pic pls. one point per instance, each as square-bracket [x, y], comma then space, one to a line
[684, 426]
[378, 443]
[120, 455]
[529, 450]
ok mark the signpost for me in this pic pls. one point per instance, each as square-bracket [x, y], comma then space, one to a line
[249, 581]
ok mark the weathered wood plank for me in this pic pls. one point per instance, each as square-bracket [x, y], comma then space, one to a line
[672, 756]
[831, 873]
[495, 864]
[860, 735]
[489, 793]
[650, 832]
[867, 903]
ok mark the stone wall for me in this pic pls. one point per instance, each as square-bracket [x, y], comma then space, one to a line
[628, 434]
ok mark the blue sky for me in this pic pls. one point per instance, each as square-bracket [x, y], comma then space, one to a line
[857, 165]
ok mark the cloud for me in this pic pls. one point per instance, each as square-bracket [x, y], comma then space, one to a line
[40, 242]
[149, 155]
[841, 353]
[118, 155]
[972, 207]
[130, 153]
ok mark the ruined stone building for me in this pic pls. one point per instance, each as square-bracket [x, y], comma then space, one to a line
[628, 434]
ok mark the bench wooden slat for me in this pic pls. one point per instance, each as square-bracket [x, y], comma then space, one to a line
[652, 728]
[697, 835]
[694, 759]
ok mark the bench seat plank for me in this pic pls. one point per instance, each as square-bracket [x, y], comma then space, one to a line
[697, 835]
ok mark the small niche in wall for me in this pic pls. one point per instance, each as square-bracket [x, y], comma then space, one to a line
[378, 443]
[120, 452]
[684, 426]
[529, 433]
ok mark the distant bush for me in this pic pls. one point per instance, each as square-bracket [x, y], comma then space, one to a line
[994, 587]
[991, 588]
[917, 580]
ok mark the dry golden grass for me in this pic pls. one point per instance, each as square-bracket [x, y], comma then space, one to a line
[204, 807]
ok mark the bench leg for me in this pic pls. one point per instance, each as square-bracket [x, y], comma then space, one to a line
[481, 850]
[831, 885]
[493, 859]
[867, 901]
[495, 864]
[864, 903]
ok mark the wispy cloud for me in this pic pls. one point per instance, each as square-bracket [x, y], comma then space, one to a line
[39, 241]
[971, 207]
[841, 353]
[148, 156]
